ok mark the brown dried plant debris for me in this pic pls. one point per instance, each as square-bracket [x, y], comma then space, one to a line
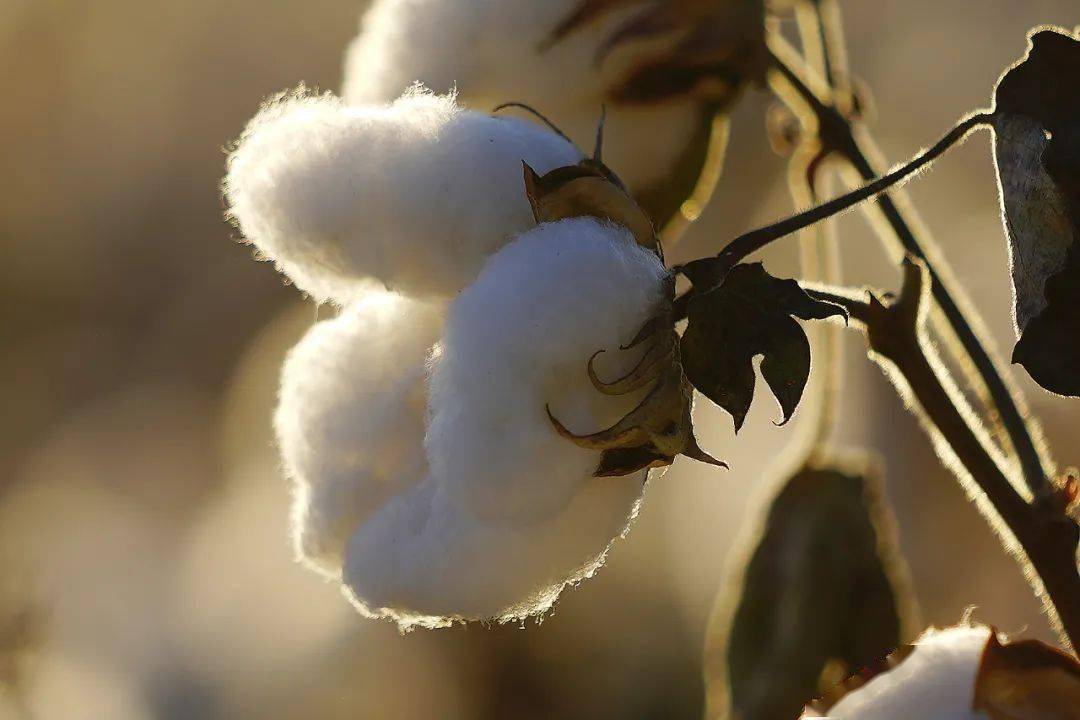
[588, 189]
[1027, 679]
[718, 47]
[661, 426]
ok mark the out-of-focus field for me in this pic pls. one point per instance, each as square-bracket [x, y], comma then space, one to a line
[144, 566]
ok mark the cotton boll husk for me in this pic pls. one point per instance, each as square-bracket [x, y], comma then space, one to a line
[936, 682]
[519, 339]
[415, 194]
[350, 417]
[488, 52]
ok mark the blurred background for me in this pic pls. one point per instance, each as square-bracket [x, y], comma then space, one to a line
[144, 566]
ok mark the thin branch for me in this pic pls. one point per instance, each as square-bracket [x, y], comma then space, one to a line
[818, 251]
[830, 28]
[750, 242]
[839, 136]
[1042, 531]
[808, 182]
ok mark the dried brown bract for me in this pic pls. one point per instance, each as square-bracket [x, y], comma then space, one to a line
[1027, 679]
[588, 189]
[661, 426]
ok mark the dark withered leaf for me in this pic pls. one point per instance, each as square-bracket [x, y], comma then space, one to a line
[625, 461]
[824, 593]
[1037, 154]
[750, 314]
[1049, 347]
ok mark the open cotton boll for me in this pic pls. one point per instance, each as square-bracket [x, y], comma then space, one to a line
[519, 339]
[350, 418]
[415, 194]
[488, 52]
[510, 512]
[426, 559]
[936, 682]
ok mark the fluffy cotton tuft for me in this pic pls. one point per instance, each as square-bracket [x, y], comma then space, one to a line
[350, 417]
[519, 339]
[489, 52]
[508, 513]
[936, 682]
[416, 194]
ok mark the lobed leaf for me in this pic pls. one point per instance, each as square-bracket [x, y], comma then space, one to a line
[751, 313]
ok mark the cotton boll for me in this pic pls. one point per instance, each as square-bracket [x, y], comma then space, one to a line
[350, 418]
[488, 52]
[520, 339]
[509, 512]
[936, 682]
[427, 560]
[415, 194]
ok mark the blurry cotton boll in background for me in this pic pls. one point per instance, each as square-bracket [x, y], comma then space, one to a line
[350, 417]
[490, 52]
[510, 512]
[415, 194]
[90, 521]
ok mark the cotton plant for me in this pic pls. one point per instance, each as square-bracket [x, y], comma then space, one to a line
[504, 337]
[512, 359]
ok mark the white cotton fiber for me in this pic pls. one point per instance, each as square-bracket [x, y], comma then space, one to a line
[426, 559]
[509, 512]
[488, 51]
[520, 338]
[350, 418]
[415, 194]
[936, 682]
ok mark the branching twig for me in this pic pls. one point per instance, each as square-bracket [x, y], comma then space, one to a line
[750, 242]
[839, 135]
[1041, 532]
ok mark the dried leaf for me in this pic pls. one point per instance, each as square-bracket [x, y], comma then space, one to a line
[625, 461]
[750, 314]
[1037, 154]
[1027, 679]
[824, 592]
